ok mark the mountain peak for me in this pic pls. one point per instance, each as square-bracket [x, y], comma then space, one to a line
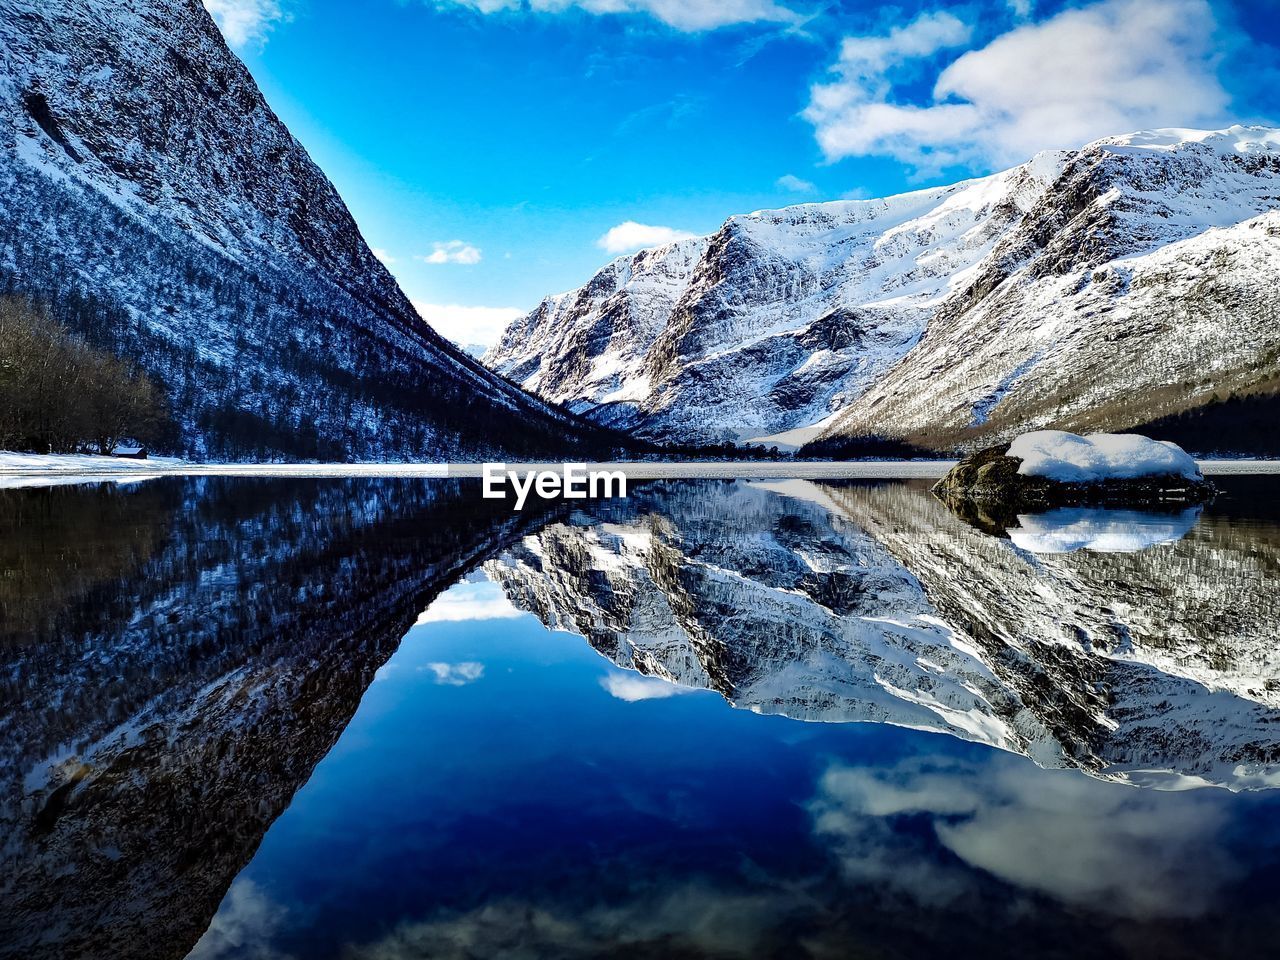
[1236, 139]
[852, 316]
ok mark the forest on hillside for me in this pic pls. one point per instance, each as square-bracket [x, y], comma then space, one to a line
[58, 394]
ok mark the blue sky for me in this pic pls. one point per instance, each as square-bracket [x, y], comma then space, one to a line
[495, 151]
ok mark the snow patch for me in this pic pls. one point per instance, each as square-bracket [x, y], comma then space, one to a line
[1070, 458]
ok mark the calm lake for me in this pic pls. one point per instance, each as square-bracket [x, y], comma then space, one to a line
[385, 718]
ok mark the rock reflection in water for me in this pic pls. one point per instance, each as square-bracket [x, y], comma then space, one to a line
[1066, 529]
[1100, 529]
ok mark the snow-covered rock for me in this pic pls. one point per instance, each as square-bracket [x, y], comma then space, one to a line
[1091, 289]
[1068, 458]
[1049, 468]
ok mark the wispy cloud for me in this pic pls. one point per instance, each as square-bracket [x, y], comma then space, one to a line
[629, 236]
[244, 926]
[452, 251]
[686, 15]
[1111, 67]
[246, 22]
[634, 687]
[1062, 834]
[386, 258]
[789, 181]
[481, 600]
[468, 326]
[454, 674]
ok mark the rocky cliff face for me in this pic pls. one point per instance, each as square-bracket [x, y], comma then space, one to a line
[855, 603]
[1102, 288]
[150, 198]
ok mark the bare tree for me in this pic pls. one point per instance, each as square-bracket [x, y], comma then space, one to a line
[59, 394]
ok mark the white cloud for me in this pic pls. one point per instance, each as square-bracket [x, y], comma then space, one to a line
[386, 258]
[789, 181]
[454, 674]
[468, 326]
[244, 22]
[634, 687]
[576, 919]
[629, 236]
[688, 15]
[1111, 847]
[244, 925]
[1113, 67]
[452, 251]
[479, 600]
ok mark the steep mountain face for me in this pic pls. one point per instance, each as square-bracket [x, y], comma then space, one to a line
[150, 198]
[1142, 285]
[773, 323]
[843, 603]
[1131, 280]
[587, 348]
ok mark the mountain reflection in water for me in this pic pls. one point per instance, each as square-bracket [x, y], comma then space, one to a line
[255, 718]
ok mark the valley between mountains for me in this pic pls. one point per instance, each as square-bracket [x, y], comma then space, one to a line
[153, 205]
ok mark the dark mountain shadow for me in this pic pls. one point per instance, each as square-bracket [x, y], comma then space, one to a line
[176, 659]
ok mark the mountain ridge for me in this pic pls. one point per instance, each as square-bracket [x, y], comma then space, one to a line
[852, 320]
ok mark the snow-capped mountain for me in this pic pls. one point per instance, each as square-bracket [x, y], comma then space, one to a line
[1107, 287]
[841, 603]
[151, 198]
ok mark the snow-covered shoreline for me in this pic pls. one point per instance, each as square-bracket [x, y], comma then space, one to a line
[17, 469]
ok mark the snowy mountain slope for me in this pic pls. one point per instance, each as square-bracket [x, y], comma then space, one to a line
[841, 603]
[592, 342]
[1143, 283]
[150, 196]
[1039, 295]
[774, 322]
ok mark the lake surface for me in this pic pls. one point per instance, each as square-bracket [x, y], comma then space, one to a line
[384, 718]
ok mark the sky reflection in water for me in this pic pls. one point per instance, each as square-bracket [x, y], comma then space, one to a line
[505, 790]
[723, 719]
